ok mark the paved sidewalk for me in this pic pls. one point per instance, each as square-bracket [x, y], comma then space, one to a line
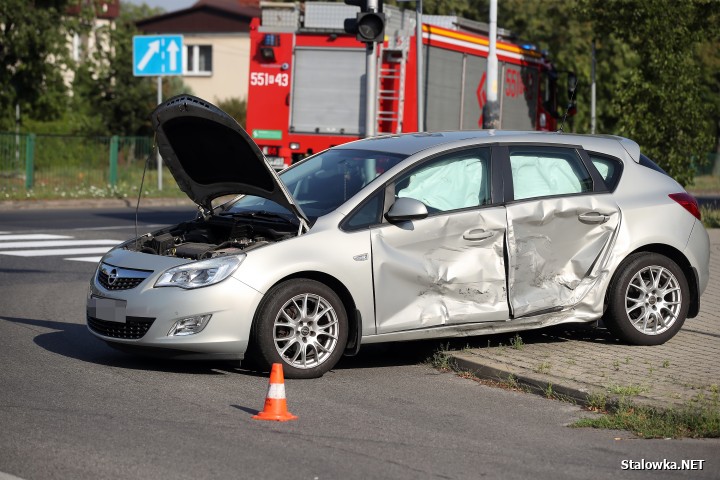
[580, 360]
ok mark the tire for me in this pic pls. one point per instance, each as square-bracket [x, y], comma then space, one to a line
[648, 300]
[306, 345]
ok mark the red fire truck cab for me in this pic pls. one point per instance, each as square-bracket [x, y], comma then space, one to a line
[306, 90]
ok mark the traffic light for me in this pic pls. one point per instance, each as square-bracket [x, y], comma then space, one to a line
[367, 26]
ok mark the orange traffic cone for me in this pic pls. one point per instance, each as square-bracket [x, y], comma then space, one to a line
[275, 403]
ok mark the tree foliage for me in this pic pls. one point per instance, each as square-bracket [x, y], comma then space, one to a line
[658, 67]
[32, 48]
[105, 90]
[658, 100]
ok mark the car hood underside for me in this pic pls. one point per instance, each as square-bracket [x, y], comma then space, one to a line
[210, 155]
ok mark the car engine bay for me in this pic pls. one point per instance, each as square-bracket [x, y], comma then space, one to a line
[214, 236]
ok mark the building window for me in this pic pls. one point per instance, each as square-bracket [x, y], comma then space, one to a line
[198, 59]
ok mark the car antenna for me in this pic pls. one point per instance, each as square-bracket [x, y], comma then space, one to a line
[142, 181]
[569, 106]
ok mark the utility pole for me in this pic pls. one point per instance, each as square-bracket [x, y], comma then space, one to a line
[419, 62]
[369, 27]
[491, 110]
[371, 81]
[592, 91]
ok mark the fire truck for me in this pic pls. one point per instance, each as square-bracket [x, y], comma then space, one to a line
[306, 88]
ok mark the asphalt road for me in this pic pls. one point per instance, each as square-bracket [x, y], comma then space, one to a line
[71, 407]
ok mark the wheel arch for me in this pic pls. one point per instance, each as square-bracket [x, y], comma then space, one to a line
[354, 319]
[681, 260]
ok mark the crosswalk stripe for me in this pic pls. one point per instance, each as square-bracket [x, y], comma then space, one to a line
[56, 243]
[85, 259]
[31, 236]
[55, 252]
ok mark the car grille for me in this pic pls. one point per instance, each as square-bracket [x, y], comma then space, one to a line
[115, 278]
[133, 328]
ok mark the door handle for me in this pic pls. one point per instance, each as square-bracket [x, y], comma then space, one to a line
[477, 234]
[593, 217]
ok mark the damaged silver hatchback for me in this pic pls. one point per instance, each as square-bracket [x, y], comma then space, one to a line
[399, 238]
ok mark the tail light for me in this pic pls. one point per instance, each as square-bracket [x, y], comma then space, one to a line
[688, 202]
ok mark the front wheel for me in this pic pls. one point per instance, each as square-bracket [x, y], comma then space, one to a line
[303, 325]
[648, 300]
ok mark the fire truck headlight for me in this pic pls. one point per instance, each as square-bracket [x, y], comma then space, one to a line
[294, 146]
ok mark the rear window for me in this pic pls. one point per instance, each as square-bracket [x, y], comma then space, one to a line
[646, 162]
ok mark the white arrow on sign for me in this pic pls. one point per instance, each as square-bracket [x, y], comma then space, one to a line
[153, 48]
[173, 49]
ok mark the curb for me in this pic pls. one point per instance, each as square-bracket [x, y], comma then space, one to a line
[562, 388]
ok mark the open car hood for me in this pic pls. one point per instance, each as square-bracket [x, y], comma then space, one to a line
[211, 155]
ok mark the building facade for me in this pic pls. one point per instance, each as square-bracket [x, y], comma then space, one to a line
[216, 53]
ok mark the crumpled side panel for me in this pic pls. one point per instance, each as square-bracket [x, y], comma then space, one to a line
[554, 258]
[427, 274]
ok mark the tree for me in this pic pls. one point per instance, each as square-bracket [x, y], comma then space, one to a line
[658, 100]
[105, 90]
[658, 70]
[32, 51]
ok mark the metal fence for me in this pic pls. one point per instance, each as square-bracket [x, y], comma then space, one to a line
[74, 164]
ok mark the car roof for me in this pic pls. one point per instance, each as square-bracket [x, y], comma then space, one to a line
[412, 143]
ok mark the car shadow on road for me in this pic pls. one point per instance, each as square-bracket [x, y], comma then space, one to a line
[422, 351]
[73, 340]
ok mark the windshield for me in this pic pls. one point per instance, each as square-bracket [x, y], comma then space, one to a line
[322, 183]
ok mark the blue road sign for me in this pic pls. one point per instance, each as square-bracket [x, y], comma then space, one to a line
[157, 55]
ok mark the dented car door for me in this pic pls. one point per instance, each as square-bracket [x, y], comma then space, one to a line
[447, 268]
[561, 226]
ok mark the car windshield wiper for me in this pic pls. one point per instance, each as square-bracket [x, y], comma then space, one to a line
[261, 214]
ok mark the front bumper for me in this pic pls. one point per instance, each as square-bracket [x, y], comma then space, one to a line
[150, 314]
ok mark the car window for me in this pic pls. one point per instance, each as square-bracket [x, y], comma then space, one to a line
[646, 162]
[325, 181]
[609, 169]
[547, 171]
[368, 213]
[450, 182]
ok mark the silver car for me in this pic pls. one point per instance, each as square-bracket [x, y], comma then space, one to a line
[402, 237]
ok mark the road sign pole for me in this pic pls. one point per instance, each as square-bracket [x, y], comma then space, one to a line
[159, 158]
[157, 56]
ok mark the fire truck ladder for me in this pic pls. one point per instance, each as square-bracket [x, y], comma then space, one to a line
[391, 89]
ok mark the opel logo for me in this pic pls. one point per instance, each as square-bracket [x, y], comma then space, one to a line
[112, 277]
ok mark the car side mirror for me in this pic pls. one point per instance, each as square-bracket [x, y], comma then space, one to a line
[406, 209]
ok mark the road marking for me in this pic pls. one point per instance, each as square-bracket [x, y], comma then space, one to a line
[55, 243]
[36, 245]
[55, 252]
[33, 236]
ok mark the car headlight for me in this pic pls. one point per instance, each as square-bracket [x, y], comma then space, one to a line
[200, 274]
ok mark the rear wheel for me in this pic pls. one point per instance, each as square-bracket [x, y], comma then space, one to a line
[648, 300]
[303, 325]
